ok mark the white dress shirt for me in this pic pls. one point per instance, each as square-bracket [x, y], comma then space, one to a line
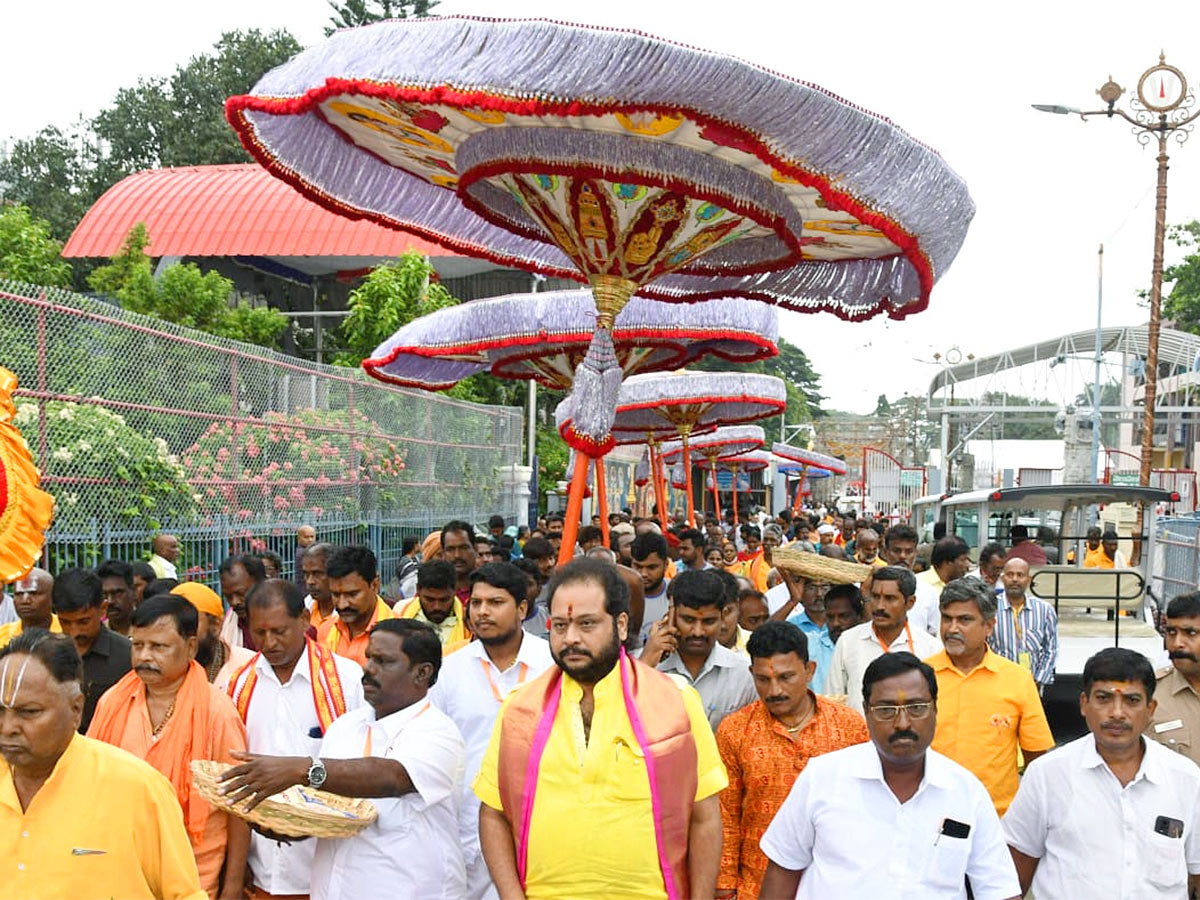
[926, 613]
[840, 808]
[412, 849]
[469, 690]
[859, 646]
[282, 721]
[1097, 839]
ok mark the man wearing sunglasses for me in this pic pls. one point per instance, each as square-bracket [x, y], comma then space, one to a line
[929, 820]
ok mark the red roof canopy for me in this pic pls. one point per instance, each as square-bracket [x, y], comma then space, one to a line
[238, 210]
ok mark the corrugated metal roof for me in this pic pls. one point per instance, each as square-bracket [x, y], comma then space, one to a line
[232, 210]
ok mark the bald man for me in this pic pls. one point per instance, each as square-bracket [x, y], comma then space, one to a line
[306, 536]
[32, 599]
[165, 552]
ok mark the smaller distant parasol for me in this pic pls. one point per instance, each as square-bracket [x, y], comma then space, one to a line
[807, 459]
[730, 440]
[744, 462]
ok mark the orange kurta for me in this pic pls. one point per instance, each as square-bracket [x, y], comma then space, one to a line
[207, 727]
[763, 762]
[335, 636]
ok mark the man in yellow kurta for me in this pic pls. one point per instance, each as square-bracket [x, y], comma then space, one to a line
[601, 753]
[53, 781]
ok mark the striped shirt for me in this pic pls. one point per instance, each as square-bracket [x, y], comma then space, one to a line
[1038, 635]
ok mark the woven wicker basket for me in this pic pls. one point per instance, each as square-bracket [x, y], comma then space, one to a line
[296, 812]
[815, 567]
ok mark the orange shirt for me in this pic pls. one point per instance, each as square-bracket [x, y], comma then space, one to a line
[984, 715]
[763, 761]
[316, 620]
[335, 636]
[222, 733]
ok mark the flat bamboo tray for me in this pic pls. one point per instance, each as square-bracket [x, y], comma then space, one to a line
[296, 812]
[815, 567]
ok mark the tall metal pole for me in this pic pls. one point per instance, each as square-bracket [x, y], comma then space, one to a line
[1096, 379]
[1160, 230]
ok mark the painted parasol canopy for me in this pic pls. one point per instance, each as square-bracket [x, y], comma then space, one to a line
[545, 336]
[724, 442]
[615, 158]
[809, 458]
[25, 509]
[678, 403]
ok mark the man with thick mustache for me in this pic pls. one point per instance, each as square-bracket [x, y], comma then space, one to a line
[928, 821]
[602, 774]
[239, 575]
[1110, 814]
[1176, 720]
[988, 706]
[167, 713]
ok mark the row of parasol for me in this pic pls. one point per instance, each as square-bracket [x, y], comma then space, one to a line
[632, 164]
[628, 163]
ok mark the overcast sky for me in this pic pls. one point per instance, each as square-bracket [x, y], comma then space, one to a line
[958, 76]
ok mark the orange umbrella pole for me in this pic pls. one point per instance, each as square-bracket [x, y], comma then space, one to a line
[734, 470]
[687, 478]
[660, 488]
[602, 500]
[712, 468]
[574, 509]
[796, 503]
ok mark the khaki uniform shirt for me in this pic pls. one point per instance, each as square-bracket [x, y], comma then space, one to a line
[1176, 722]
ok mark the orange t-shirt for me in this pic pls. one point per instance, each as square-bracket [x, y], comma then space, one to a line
[334, 635]
[763, 762]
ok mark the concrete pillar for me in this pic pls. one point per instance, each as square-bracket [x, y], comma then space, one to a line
[514, 481]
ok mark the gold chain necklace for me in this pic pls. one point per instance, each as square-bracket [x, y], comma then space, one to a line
[165, 719]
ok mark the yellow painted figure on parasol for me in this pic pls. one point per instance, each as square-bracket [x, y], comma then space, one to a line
[25, 509]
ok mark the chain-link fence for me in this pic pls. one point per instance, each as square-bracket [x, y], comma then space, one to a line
[140, 426]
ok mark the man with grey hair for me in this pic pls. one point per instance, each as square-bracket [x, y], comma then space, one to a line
[988, 706]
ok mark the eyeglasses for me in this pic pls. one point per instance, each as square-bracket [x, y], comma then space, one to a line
[914, 711]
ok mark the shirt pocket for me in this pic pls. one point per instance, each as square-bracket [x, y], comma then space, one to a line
[948, 862]
[627, 778]
[1165, 862]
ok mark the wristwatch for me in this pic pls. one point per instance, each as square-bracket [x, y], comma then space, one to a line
[316, 773]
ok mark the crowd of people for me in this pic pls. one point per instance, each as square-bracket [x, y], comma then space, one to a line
[672, 716]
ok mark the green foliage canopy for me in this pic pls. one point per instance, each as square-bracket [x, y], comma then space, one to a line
[28, 252]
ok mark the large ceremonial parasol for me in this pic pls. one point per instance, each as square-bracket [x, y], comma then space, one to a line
[620, 160]
[731, 440]
[743, 462]
[25, 509]
[664, 405]
[807, 460]
[545, 336]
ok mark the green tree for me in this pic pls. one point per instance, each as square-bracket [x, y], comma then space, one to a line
[392, 295]
[27, 250]
[353, 13]
[792, 365]
[882, 407]
[1183, 303]
[46, 174]
[184, 295]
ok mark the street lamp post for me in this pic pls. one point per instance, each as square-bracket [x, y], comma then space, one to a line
[1162, 109]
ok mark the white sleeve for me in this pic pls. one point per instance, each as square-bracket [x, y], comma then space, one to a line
[990, 868]
[788, 840]
[1025, 823]
[434, 759]
[1192, 838]
[835, 681]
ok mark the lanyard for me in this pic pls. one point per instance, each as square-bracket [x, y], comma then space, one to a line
[1017, 627]
[371, 728]
[487, 673]
[907, 635]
